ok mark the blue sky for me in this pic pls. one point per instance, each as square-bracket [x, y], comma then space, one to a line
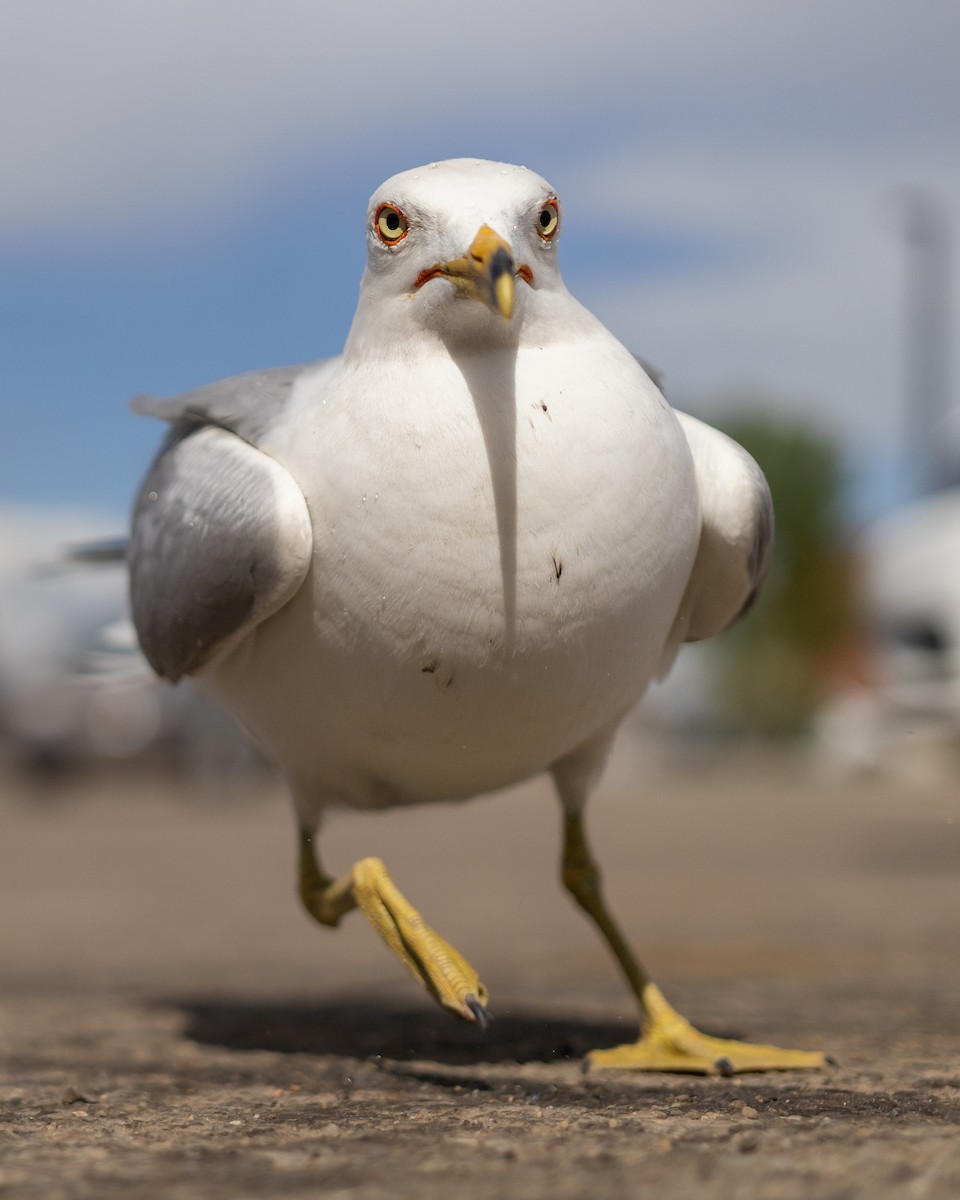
[185, 184]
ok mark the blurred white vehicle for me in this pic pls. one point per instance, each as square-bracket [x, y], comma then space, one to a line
[912, 590]
[73, 684]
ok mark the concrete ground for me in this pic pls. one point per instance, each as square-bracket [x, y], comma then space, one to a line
[172, 1025]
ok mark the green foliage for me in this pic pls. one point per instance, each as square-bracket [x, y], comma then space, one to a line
[772, 666]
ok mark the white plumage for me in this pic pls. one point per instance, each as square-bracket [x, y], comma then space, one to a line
[453, 556]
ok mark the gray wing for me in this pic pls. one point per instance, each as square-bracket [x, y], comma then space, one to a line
[221, 538]
[247, 404]
[736, 536]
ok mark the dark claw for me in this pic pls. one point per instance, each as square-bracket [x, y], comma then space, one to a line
[725, 1067]
[480, 1014]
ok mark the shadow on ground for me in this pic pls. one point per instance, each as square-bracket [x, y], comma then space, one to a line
[438, 1052]
[363, 1028]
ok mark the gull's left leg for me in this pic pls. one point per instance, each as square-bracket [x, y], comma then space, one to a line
[667, 1042]
[446, 975]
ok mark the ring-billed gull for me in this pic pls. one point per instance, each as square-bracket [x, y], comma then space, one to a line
[450, 558]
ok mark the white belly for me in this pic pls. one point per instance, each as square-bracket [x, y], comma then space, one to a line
[493, 583]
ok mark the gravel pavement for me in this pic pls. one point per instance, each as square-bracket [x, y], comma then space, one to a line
[171, 1025]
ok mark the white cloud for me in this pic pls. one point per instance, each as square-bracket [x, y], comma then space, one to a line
[810, 310]
[118, 112]
[780, 130]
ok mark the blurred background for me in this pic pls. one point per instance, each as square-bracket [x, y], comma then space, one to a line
[761, 200]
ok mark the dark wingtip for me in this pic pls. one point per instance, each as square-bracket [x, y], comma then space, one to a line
[108, 550]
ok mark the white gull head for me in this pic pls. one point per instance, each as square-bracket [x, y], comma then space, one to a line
[464, 230]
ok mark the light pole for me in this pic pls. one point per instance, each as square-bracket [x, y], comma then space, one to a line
[926, 342]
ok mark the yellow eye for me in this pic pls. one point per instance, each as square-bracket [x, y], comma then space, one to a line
[548, 219]
[390, 223]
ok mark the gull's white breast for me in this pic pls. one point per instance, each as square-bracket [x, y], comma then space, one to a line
[501, 545]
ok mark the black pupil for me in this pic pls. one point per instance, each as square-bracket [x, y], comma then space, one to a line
[393, 221]
[546, 217]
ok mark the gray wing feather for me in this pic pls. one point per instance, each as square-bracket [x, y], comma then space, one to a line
[736, 537]
[221, 538]
[246, 404]
[761, 551]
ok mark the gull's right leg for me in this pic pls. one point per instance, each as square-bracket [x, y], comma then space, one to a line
[446, 975]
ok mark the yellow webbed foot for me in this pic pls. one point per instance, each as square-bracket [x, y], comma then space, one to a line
[444, 972]
[671, 1043]
[668, 1042]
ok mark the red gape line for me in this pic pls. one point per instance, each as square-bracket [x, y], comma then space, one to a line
[427, 275]
[523, 272]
